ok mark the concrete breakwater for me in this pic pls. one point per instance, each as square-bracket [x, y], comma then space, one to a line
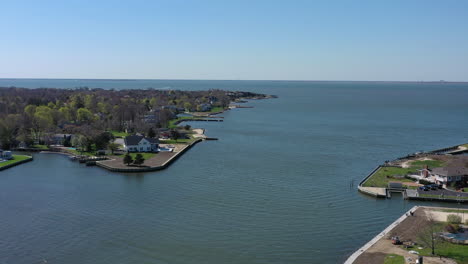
[372, 191]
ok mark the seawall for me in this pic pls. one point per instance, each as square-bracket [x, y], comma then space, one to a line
[16, 163]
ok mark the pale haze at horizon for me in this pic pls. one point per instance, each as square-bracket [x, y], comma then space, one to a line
[248, 40]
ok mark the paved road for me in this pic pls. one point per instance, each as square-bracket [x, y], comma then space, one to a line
[442, 191]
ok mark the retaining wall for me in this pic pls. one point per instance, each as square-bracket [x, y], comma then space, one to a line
[16, 163]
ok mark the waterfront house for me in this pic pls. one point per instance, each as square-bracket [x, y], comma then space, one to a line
[449, 175]
[137, 143]
[204, 107]
[7, 155]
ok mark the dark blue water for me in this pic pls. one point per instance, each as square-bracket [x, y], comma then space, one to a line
[278, 187]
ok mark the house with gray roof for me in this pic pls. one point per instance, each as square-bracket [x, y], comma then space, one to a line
[450, 174]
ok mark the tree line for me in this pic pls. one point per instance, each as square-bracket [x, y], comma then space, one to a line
[31, 115]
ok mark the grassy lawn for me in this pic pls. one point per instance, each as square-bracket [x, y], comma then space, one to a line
[448, 250]
[419, 164]
[44, 147]
[16, 158]
[394, 259]
[216, 109]
[173, 121]
[380, 179]
[119, 134]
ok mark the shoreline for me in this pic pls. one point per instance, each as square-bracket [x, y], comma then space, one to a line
[163, 159]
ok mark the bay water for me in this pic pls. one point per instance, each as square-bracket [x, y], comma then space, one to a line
[280, 185]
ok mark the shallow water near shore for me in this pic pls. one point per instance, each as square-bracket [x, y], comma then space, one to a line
[278, 187]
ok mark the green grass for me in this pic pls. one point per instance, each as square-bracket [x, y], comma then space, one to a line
[419, 164]
[379, 178]
[173, 121]
[216, 109]
[16, 158]
[448, 250]
[465, 189]
[119, 134]
[394, 259]
[44, 147]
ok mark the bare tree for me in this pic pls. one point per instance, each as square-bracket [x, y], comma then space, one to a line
[428, 236]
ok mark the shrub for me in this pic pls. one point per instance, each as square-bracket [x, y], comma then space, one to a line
[451, 228]
[421, 181]
[454, 219]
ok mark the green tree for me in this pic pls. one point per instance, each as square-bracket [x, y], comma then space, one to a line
[139, 159]
[127, 159]
[175, 134]
[151, 133]
[113, 147]
[80, 142]
[84, 115]
[187, 106]
[66, 113]
[102, 140]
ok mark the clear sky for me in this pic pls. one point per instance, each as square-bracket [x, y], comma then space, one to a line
[406, 40]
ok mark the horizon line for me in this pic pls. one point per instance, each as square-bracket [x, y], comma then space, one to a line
[270, 80]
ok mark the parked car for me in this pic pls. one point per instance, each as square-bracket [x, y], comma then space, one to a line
[423, 188]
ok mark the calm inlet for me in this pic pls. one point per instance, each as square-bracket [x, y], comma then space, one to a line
[278, 187]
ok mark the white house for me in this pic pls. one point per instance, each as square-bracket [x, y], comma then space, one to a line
[140, 144]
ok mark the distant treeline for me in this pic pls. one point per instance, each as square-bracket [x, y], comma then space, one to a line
[27, 115]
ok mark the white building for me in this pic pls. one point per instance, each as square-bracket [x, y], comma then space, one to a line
[140, 144]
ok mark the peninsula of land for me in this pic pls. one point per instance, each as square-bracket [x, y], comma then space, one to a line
[119, 130]
[440, 175]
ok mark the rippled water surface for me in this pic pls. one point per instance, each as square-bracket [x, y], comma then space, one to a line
[278, 187]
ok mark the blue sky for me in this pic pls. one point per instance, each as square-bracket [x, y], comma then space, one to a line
[269, 40]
